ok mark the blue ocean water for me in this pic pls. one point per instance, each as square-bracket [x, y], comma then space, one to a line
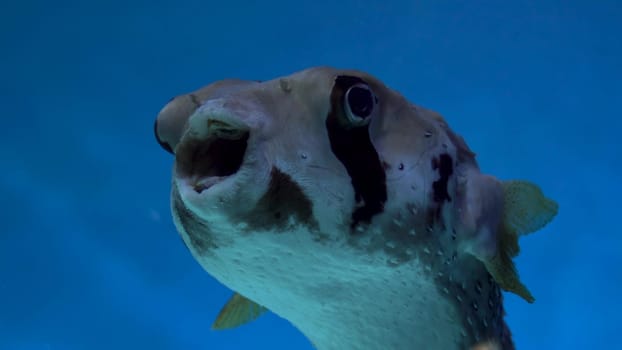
[89, 257]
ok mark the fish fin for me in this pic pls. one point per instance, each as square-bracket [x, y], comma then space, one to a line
[503, 270]
[236, 312]
[526, 210]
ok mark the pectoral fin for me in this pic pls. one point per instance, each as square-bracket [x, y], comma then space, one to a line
[503, 270]
[236, 312]
[526, 210]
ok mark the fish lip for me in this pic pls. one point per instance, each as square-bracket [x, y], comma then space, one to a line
[213, 150]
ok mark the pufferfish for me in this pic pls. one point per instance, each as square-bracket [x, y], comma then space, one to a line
[361, 218]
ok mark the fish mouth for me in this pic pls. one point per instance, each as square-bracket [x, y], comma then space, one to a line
[212, 155]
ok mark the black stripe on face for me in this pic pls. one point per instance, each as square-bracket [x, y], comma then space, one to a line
[353, 147]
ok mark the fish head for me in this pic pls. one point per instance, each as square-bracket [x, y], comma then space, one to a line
[253, 156]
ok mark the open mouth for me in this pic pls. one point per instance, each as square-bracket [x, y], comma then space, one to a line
[209, 160]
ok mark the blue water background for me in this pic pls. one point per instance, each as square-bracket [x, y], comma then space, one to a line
[89, 257]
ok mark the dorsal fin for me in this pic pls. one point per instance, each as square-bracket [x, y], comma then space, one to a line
[236, 312]
[526, 210]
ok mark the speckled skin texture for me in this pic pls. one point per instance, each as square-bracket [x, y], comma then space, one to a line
[280, 231]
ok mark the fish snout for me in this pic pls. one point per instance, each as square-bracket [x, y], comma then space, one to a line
[170, 123]
[212, 149]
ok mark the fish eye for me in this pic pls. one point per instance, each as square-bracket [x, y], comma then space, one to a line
[359, 103]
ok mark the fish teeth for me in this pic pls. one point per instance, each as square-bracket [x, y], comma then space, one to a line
[206, 182]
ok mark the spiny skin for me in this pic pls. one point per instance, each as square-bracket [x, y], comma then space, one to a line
[363, 236]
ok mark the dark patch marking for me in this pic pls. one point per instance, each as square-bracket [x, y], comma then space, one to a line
[445, 167]
[440, 192]
[353, 147]
[283, 200]
[198, 231]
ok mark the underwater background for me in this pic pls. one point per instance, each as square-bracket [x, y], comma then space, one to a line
[89, 257]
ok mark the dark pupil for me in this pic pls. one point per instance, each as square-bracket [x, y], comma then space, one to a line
[361, 102]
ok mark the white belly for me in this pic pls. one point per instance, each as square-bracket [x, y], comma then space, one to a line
[338, 297]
